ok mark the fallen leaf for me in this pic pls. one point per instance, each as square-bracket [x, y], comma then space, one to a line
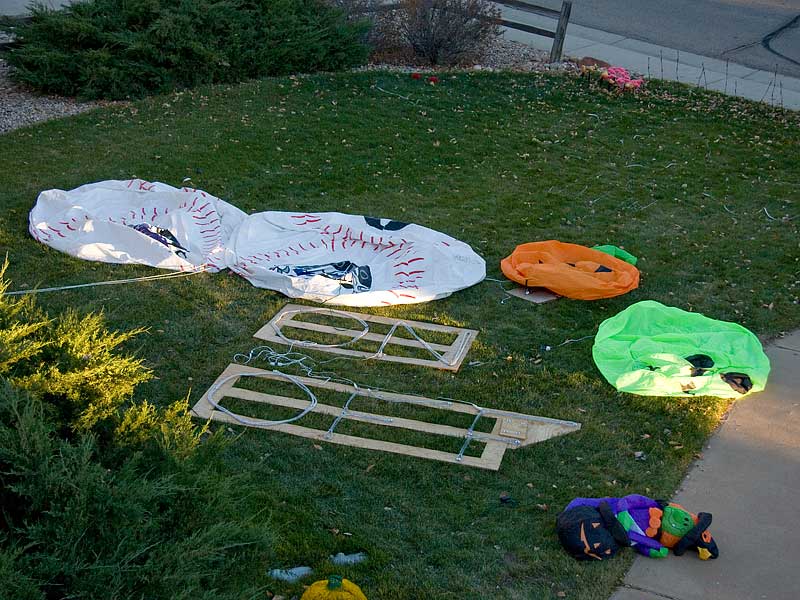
[317, 447]
[369, 468]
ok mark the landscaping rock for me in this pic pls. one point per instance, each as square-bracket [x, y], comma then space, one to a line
[19, 107]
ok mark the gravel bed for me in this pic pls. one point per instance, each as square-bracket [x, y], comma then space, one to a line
[502, 55]
[20, 107]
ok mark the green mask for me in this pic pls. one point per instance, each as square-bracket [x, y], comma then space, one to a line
[676, 521]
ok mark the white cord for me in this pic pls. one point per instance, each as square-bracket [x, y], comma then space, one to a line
[308, 344]
[199, 269]
[331, 311]
[260, 423]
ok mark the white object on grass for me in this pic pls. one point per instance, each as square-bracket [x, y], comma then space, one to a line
[290, 575]
[350, 260]
[137, 222]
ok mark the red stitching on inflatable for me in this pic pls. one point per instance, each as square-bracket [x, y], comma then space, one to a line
[209, 230]
[201, 207]
[130, 182]
[56, 230]
[408, 262]
[70, 227]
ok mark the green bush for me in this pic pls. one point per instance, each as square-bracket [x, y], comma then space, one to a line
[105, 497]
[129, 48]
[144, 529]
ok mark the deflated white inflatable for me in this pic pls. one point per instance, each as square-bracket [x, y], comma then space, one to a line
[350, 260]
[136, 222]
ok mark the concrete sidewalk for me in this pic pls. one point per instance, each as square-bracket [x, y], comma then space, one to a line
[660, 62]
[749, 479]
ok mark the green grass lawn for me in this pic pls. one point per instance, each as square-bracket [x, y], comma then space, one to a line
[678, 177]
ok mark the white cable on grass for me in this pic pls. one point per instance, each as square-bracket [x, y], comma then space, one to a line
[200, 269]
[333, 312]
[260, 423]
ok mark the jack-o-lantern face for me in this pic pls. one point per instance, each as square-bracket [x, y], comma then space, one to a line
[594, 549]
[583, 534]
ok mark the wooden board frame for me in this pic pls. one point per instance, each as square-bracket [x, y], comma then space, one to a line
[452, 355]
[537, 295]
[511, 430]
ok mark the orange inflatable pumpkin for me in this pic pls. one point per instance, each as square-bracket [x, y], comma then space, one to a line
[570, 270]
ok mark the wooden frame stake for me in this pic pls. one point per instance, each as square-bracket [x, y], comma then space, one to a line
[511, 430]
[452, 355]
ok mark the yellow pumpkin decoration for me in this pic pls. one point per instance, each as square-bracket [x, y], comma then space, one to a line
[334, 588]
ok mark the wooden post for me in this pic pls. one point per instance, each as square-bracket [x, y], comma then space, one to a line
[561, 32]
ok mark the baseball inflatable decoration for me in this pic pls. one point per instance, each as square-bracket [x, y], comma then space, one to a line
[350, 260]
[136, 222]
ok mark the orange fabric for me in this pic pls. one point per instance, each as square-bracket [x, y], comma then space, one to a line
[570, 270]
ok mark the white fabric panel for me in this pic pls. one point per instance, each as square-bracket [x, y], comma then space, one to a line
[351, 260]
[137, 222]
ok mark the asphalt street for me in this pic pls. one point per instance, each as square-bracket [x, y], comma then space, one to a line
[732, 30]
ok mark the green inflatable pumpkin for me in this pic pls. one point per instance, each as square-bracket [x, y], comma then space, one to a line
[655, 350]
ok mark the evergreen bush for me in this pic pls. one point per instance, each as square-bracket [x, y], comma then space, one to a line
[120, 49]
[104, 497]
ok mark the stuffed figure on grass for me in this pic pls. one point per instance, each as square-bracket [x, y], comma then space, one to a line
[595, 528]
